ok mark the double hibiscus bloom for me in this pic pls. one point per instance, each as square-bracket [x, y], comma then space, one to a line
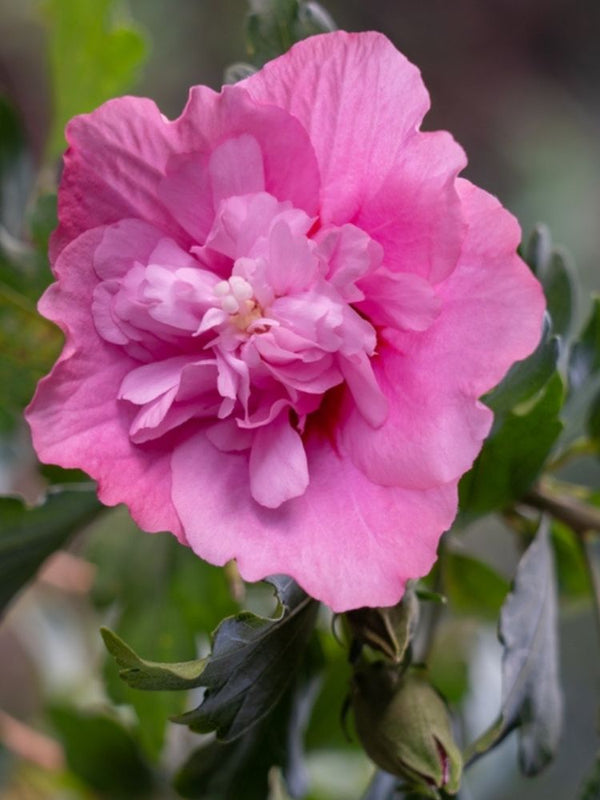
[280, 310]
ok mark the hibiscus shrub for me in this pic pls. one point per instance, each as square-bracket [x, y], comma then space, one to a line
[294, 337]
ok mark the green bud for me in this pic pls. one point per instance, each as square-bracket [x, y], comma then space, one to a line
[388, 630]
[404, 726]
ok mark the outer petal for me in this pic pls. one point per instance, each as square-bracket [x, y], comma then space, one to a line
[358, 98]
[116, 158]
[347, 541]
[492, 310]
[75, 418]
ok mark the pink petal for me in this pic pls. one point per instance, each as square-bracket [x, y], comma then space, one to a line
[416, 215]
[149, 381]
[278, 469]
[491, 315]
[399, 299]
[124, 243]
[233, 113]
[358, 98]
[347, 541]
[113, 167]
[236, 168]
[75, 417]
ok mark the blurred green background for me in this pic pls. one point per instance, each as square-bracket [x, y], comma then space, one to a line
[518, 84]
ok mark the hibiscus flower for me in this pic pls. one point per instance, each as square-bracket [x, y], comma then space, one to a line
[280, 311]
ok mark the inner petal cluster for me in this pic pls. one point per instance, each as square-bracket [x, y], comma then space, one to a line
[247, 331]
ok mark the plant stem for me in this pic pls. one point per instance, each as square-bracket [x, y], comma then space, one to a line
[579, 516]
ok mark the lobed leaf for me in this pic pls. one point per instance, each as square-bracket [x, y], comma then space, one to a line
[29, 535]
[240, 768]
[252, 663]
[151, 675]
[531, 696]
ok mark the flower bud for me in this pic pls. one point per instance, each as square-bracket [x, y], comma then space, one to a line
[404, 726]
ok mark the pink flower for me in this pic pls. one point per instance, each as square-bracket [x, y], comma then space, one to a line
[280, 310]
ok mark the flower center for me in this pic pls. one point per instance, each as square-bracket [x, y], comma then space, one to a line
[237, 299]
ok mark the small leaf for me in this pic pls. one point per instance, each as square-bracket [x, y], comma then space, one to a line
[103, 754]
[388, 630]
[585, 354]
[252, 663]
[273, 26]
[93, 57]
[515, 453]
[472, 587]
[29, 535]
[531, 697]
[160, 609]
[240, 769]
[151, 675]
[556, 272]
[527, 377]
[238, 72]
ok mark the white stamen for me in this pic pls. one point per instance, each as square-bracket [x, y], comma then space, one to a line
[221, 288]
[230, 304]
[240, 288]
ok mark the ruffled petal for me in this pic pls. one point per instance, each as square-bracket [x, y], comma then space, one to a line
[358, 98]
[347, 541]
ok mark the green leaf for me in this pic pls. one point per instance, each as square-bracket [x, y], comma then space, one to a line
[151, 675]
[95, 54]
[252, 663]
[555, 270]
[472, 587]
[273, 26]
[29, 535]
[515, 453]
[531, 696]
[526, 378]
[103, 754]
[240, 768]
[571, 569]
[160, 608]
[585, 354]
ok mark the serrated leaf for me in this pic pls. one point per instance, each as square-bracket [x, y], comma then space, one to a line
[515, 453]
[273, 26]
[526, 378]
[252, 663]
[531, 695]
[94, 55]
[29, 535]
[159, 608]
[103, 754]
[240, 769]
[472, 587]
[388, 630]
[151, 675]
